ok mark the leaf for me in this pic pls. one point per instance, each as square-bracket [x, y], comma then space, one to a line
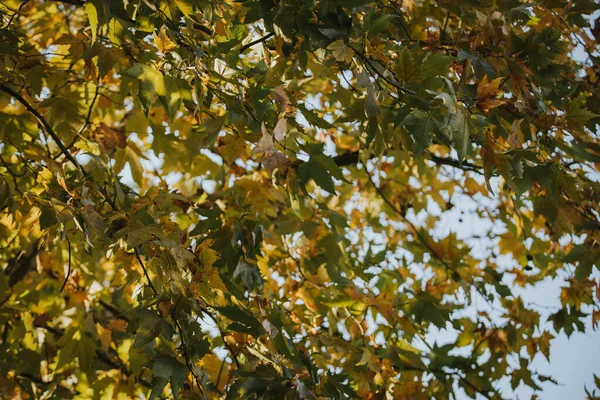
[415, 65]
[371, 106]
[76, 344]
[280, 130]
[242, 321]
[380, 24]
[233, 147]
[92, 13]
[167, 368]
[313, 118]
[314, 170]
[458, 131]
[152, 84]
[584, 268]
[48, 217]
[178, 92]
[206, 278]
[265, 144]
[249, 274]
[421, 127]
[163, 42]
[516, 139]
[577, 115]
[487, 93]
[203, 136]
[186, 7]
[341, 51]
[276, 161]
[281, 98]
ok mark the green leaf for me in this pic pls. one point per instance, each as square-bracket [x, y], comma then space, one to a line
[158, 386]
[203, 137]
[577, 115]
[421, 127]
[380, 25]
[242, 321]
[458, 131]
[371, 106]
[76, 344]
[152, 84]
[168, 368]
[313, 118]
[320, 168]
[416, 65]
[249, 274]
[48, 217]
[178, 91]
[585, 266]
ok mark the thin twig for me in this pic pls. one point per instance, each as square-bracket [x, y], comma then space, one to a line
[87, 118]
[443, 34]
[188, 363]
[255, 42]
[15, 14]
[137, 255]
[566, 24]
[421, 238]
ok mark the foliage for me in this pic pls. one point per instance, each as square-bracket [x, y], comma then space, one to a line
[273, 199]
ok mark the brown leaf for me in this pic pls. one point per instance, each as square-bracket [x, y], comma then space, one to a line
[119, 325]
[232, 147]
[276, 160]
[109, 138]
[280, 130]
[281, 97]
[487, 93]
[164, 306]
[516, 139]
[265, 144]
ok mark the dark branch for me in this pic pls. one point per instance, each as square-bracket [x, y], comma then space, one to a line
[73, 2]
[255, 42]
[69, 269]
[137, 255]
[351, 158]
[45, 124]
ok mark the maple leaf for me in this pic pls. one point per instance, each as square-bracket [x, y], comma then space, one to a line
[487, 94]
[284, 199]
[163, 42]
[206, 277]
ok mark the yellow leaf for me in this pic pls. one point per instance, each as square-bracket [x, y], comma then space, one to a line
[216, 369]
[233, 147]
[162, 41]
[206, 278]
[340, 51]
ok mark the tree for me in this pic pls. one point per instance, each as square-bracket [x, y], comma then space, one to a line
[288, 199]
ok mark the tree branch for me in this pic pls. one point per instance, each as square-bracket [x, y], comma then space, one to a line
[45, 124]
[73, 2]
[351, 158]
[137, 255]
[255, 42]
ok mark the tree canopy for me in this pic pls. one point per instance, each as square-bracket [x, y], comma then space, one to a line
[294, 198]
